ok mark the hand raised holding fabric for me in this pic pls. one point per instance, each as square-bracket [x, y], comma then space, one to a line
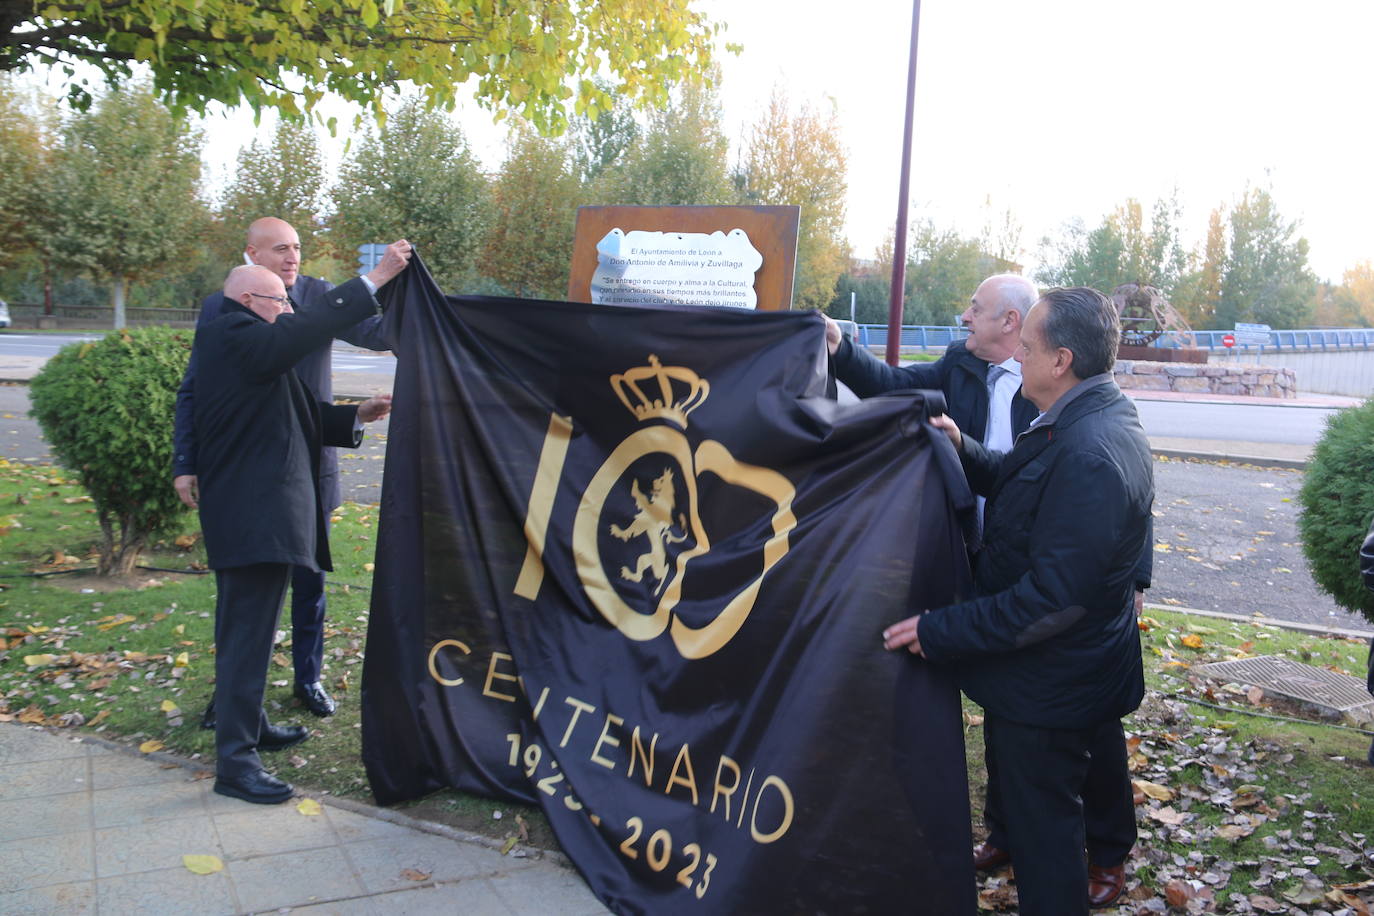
[950, 427]
[832, 334]
[394, 260]
[374, 408]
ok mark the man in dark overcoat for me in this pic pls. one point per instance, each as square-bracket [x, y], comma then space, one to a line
[1050, 648]
[993, 318]
[980, 378]
[260, 433]
[274, 244]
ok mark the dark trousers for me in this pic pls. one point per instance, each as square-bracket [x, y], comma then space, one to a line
[248, 602]
[307, 623]
[1038, 779]
[1108, 803]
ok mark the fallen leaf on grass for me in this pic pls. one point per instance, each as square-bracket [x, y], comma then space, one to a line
[147, 747]
[411, 874]
[187, 541]
[1234, 832]
[168, 706]
[1154, 790]
[202, 864]
[1178, 893]
[1267, 904]
[98, 718]
[117, 620]
[1167, 815]
[183, 659]
[32, 716]
[309, 807]
[35, 660]
[1192, 641]
[507, 846]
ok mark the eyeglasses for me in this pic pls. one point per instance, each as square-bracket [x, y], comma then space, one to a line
[283, 301]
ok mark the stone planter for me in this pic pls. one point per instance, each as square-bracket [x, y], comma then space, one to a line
[1259, 381]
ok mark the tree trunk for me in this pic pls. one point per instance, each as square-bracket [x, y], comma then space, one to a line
[117, 300]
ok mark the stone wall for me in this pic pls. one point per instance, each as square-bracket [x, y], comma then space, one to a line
[1262, 381]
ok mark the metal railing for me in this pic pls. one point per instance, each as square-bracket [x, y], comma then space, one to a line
[102, 316]
[922, 337]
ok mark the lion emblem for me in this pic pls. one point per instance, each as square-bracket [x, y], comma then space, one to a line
[654, 520]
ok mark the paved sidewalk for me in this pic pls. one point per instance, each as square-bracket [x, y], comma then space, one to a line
[87, 827]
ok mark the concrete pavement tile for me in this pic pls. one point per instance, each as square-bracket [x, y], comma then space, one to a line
[294, 879]
[147, 804]
[73, 899]
[355, 906]
[353, 828]
[381, 862]
[168, 892]
[148, 847]
[475, 897]
[270, 830]
[33, 817]
[41, 861]
[20, 744]
[42, 777]
[116, 771]
[549, 889]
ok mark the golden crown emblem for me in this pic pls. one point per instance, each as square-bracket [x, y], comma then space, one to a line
[652, 388]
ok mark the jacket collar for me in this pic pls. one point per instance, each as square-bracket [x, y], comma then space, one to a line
[1088, 396]
[231, 306]
[1059, 407]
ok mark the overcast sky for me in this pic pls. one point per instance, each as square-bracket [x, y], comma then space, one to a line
[1059, 108]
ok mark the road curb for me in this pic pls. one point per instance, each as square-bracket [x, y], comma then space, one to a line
[1316, 629]
[1298, 464]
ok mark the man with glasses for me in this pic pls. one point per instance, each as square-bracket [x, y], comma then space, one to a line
[260, 433]
[273, 244]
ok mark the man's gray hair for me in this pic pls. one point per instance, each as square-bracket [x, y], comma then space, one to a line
[1014, 292]
[1085, 323]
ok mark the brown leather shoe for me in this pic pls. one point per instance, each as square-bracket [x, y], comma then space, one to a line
[987, 857]
[1105, 884]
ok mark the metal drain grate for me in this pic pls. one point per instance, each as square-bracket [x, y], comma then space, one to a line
[1329, 691]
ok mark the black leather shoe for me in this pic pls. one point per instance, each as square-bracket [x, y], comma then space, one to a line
[259, 787]
[276, 737]
[313, 698]
[987, 857]
[1105, 884]
[207, 719]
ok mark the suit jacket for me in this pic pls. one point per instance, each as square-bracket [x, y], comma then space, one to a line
[1052, 640]
[315, 369]
[260, 431]
[961, 376]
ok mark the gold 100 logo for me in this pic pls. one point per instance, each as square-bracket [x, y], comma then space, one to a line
[661, 397]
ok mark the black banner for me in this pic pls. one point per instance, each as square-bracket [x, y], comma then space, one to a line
[633, 566]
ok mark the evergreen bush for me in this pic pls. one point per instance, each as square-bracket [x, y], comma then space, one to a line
[106, 409]
[1337, 505]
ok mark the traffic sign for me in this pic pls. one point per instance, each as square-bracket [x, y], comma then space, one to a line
[369, 256]
[1228, 341]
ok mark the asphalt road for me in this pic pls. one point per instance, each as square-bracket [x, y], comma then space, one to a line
[1226, 536]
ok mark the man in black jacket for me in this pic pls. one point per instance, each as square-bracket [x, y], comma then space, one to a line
[260, 433]
[996, 412]
[1050, 648]
[274, 244]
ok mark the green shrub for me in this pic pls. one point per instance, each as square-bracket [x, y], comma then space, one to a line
[1337, 504]
[106, 409]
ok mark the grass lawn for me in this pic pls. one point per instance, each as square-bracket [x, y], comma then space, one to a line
[1238, 812]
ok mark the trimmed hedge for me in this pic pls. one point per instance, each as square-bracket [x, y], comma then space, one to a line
[1337, 505]
[106, 409]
